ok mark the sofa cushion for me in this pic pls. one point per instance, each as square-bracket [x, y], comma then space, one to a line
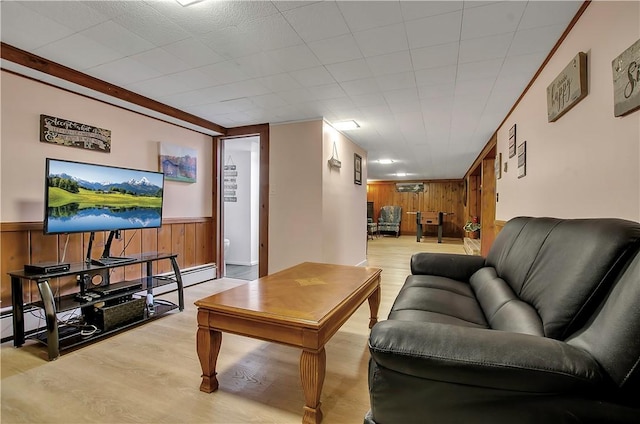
[502, 308]
[428, 298]
[562, 268]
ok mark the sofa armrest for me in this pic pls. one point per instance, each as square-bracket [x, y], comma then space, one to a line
[454, 266]
[482, 358]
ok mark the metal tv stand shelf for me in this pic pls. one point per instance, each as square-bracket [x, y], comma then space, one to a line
[61, 336]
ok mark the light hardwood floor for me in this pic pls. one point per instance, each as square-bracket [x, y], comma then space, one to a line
[151, 374]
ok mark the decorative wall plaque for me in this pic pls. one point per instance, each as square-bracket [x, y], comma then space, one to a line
[522, 159]
[626, 81]
[568, 88]
[74, 134]
[230, 174]
[512, 141]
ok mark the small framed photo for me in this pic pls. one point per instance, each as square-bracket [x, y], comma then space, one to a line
[357, 169]
[522, 159]
[498, 165]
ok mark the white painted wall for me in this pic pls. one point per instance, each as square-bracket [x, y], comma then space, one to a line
[315, 214]
[241, 217]
[344, 203]
[295, 194]
[586, 164]
[134, 144]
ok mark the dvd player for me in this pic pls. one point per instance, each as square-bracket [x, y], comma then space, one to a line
[46, 268]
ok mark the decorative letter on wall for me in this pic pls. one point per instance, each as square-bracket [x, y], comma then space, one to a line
[626, 81]
[568, 88]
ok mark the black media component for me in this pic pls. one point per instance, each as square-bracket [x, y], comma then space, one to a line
[46, 268]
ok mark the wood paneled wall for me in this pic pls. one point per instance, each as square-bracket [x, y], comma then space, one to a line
[438, 196]
[24, 243]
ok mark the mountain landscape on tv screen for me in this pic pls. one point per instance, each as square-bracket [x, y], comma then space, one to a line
[141, 187]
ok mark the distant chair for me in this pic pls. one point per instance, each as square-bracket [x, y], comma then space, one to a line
[389, 220]
[372, 228]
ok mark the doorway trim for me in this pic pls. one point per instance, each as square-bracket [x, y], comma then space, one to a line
[262, 131]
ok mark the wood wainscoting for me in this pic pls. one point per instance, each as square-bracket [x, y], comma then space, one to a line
[438, 196]
[24, 243]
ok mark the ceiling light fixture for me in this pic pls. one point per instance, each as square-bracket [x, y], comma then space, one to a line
[385, 161]
[401, 174]
[185, 3]
[346, 125]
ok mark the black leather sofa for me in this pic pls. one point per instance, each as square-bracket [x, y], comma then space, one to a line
[545, 329]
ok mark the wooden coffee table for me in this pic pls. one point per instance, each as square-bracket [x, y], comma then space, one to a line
[302, 306]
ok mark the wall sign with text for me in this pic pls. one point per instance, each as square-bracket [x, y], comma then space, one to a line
[74, 134]
[626, 81]
[568, 88]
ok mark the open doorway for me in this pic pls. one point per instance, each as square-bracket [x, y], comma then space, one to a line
[241, 200]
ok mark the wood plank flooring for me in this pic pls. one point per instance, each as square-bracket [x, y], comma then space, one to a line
[151, 374]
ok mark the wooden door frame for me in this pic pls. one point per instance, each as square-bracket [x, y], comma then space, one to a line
[261, 131]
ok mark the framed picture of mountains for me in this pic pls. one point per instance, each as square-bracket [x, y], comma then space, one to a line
[178, 163]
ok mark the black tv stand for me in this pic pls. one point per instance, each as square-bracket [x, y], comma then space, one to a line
[111, 260]
[60, 336]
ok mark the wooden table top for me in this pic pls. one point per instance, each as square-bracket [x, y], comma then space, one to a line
[303, 295]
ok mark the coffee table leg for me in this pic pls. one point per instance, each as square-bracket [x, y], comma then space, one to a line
[312, 371]
[208, 346]
[374, 305]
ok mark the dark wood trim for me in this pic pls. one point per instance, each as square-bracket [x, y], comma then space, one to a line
[41, 64]
[564, 35]
[261, 130]
[486, 153]
[6, 227]
[450, 180]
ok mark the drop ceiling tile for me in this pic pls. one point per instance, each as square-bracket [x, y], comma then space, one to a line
[421, 9]
[194, 79]
[544, 13]
[435, 56]
[371, 99]
[397, 81]
[143, 20]
[157, 88]
[406, 96]
[337, 49]
[392, 63]
[526, 64]
[66, 51]
[311, 77]
[491, 47]
[294, 58]
[123, 72]
[436, 91]
[26, 30]
[496, 18]
[161, 60]
[373, 14]
[224, 72]
[536, 40]
[360, 86]
[118, 38]
[292, 97]
[327, 91]
[235, 90]
[474, 89]
[267, 100]
[187, 99]
[436, 76]
[76, 16]
[193, 52]
[383, 40]
[351, 70]
[317, 21]
[259, 65]
[479, 70]
[280, 82]
[434, 30]
[288, 5]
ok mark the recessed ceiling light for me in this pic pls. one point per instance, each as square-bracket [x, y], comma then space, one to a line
[185, 3]
[385, 161]
[346, 125]
[401, 174]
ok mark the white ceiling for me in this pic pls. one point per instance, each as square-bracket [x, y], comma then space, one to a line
[428, 81]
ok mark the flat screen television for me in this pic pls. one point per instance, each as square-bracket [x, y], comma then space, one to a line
[85, 197]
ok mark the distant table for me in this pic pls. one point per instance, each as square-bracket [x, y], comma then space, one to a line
[430, 218]
[302, 306]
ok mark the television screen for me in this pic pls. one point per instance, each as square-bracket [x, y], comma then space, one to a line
[84, 197]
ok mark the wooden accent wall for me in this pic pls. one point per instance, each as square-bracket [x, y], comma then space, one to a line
[24, 243]
[438, 196]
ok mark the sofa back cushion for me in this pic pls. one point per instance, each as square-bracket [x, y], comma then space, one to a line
[612, 335]
[562, 267]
